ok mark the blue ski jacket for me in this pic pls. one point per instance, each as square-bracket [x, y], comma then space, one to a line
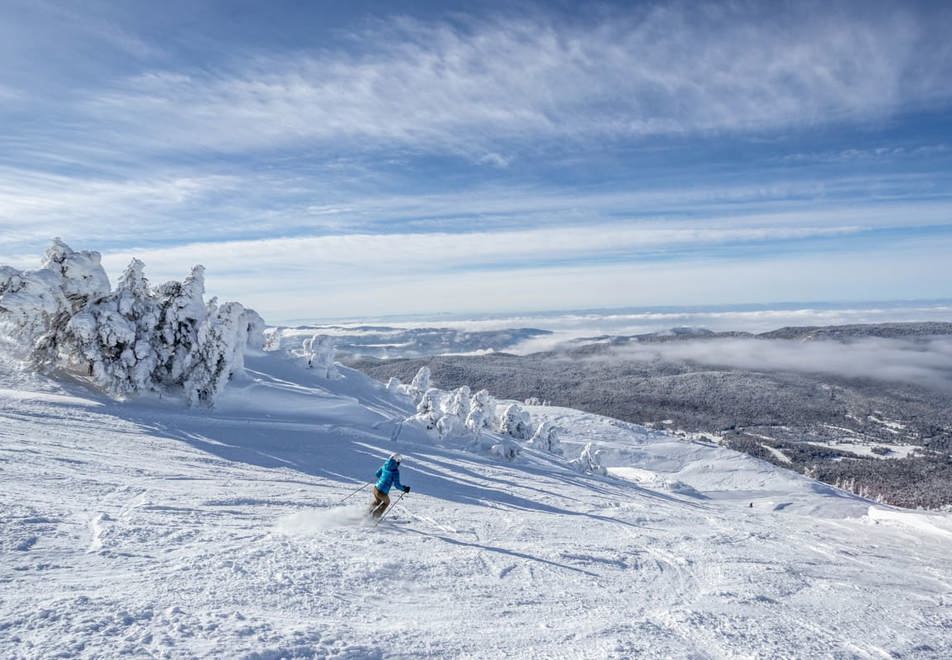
[388, 476]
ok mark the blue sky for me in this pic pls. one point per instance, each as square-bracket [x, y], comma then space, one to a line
[365, 159]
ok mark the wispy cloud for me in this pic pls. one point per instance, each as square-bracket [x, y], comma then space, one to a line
[379, 254]
[34, 205]
[474, 83]
[187, 204]
[371, 275]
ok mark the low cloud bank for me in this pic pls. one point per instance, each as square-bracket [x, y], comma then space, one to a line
[925, 362]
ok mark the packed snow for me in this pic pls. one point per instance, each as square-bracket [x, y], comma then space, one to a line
[149, 528]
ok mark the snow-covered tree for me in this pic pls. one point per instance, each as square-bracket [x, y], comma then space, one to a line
[546, 438]
[38, 304]
[515, 422]
[319, 353]
[115, 338]
[30, 301]
[457, 403]
[220, 350]
[428, 409]
[131, 340]
[181, 313]
[451, 426]
[590, 460]
[420, 383]
[81, 274]
[482, 410]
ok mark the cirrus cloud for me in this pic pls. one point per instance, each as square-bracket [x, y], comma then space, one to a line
[470, 84]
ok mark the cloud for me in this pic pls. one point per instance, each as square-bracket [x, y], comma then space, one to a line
[374, 255]
[157, 205]
[917, 362]
[35, 205]
[474, 83]
[285, 280]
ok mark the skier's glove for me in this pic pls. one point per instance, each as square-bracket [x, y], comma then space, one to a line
[406, 489]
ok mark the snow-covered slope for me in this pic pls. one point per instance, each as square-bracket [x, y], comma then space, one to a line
[152, 530]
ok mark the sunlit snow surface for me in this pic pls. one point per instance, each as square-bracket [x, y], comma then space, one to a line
[152, 530]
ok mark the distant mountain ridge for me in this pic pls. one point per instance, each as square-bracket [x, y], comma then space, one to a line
[851, 331]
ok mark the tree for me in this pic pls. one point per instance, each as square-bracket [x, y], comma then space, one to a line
[482, 410]
[115, 338]
[458, 402]
[38, 304]
[132, 340]
[420, 383]
[319, 353]
[515, 422]
[428, 409]
[220, 350]
[546, 438]
[181, 313]
[590, 460]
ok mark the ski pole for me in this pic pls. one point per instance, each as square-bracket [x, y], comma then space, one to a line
[354, 493]
[389, 510]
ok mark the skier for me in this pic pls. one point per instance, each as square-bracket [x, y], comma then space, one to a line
[388, 475]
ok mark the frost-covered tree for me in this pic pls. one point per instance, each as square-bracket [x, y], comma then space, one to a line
[428, 409]
[115, 338]
[515, 422]
[420, 383]
[482, 410]
[30, 301]
[220, 350]
[81, 274]
[457, 403]
[430, 402]
[131, 340]
[590, 460]
[319, 354]
[181, 313]
[38, 304]
[546, 438]
[451, 426]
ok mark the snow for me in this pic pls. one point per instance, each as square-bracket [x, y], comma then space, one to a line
[855, 446]
[776, 453]
[894, 427]
[146, 528]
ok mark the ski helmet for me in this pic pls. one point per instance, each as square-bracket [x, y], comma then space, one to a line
[396, 457]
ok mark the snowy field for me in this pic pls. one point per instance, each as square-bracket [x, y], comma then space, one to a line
[150, 530]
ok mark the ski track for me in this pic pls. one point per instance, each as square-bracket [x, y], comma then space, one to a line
[152, 531]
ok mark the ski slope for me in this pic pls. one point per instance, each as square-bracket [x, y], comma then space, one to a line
[150, 530]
